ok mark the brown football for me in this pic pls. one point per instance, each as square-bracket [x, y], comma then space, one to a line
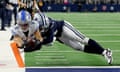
[31, 43]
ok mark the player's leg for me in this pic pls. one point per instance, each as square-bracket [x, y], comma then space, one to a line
[70, 35]
[90, 46]
[73, 44]
[70, 32]
[94, 46]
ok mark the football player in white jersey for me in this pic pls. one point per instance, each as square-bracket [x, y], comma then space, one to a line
[65, 33]
[26, 32]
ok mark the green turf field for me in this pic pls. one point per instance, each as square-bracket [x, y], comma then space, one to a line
[103, 27]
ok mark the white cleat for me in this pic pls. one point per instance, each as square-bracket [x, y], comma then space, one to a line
[108, 56]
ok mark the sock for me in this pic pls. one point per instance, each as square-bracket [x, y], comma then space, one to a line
[93, 47]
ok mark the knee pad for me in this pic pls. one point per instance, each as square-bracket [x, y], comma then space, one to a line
[77, 45]
[85, 41]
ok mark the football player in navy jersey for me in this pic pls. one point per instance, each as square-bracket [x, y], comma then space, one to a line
[65, 33]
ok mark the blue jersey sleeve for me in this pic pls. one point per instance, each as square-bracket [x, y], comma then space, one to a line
[49, 37]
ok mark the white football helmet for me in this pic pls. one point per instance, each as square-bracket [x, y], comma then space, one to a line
[42, 19]
[23, 20]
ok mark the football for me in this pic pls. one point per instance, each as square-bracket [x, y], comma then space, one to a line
[31, 44]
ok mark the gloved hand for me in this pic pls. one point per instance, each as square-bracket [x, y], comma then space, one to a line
[25, 43]
[29, 46]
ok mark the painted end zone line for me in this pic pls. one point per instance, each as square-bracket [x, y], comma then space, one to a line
[17, 54]
[50, 67]
[73, 70]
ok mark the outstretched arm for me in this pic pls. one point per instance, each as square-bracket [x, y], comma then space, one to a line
[18, 40]
[38, 36]
[49, 37]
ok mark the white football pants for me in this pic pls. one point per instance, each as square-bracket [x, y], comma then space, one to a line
[73, 38]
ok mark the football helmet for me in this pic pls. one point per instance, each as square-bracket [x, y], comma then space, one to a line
[23, 20]
[42, 19]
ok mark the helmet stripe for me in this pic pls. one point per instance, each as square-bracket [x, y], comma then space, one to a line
[23, 16]
[42, 18]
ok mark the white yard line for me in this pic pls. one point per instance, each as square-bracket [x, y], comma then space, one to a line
[110, 41]
[103, 34]
[92, 22]
[69, 51]
[107, 30]
[99, 27]
[106, 24]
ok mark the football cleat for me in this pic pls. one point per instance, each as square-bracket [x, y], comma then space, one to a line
[108, 56]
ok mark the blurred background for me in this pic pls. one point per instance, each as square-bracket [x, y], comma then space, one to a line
[9, 8]
[80, 5]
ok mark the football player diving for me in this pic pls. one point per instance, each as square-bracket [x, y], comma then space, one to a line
[26, 32]
[65, 33]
